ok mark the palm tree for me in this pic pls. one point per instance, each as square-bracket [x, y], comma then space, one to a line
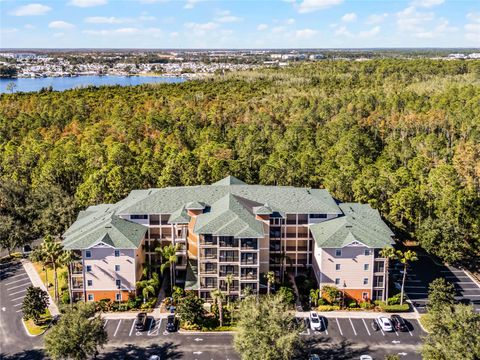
[283, 256]
[169, 259]
[38, 256]
[53, 251]
[218, 296]
[229, 283]
[67, 258]
[389, 254]
[148, 286]
[405, 258]
[315, 295]
[270, 280]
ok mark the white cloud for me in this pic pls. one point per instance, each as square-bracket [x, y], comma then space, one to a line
[305, 34]
[226, 17]
[58, 35]
[31, 10]
[369, 33]
[472, 29]
[350, 17]
[474, 16]
[128, 31]
[174, 34]
[87, 3]
[29, 26]
[307, 6]
[376, 19]
[8, 31]
[412, 20]
[190, 4]
[116, 20]
[343, 31]
[278, 29]
[201, 26]
[262, 27]
[427, 3]
[60, 24]
[290, 21]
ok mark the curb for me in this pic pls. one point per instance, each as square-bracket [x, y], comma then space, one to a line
[471, 277]
[28, 332]
[186, 332]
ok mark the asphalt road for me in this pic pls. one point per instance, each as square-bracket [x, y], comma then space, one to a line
[13, 338]
[422, 272]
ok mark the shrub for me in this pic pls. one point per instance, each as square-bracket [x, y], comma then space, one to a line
[328, 308]
[395, 299]
[65, 297]
[394, 308]
[287, 294]
[322, 301]
[331, 293]
[366, 305]
[352, 304]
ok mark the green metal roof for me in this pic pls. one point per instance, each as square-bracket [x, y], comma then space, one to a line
[262, 210]
[106, 227]
[359, 223]
[191, 277]
[179, 216]
[229, 216]
[195, 205]
[229, 180]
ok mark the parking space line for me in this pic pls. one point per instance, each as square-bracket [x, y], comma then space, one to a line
[156, 328]
[353, 327]
[18, 292]
[324, 326]
[14, 287]
[18, 275]
[115, 333]
[17, 305]
[105, 324]
[409, 331]
[152, 320]
[19, 310]
[366, 327]
[131, 329]
[16, 281]
[416, 281]
[339, 328]
[395, 330]
[18, 298]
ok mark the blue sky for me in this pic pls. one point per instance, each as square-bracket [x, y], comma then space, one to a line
[239, 24]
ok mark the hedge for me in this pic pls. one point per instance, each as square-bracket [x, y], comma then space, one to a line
[328, 308]
[394, 308]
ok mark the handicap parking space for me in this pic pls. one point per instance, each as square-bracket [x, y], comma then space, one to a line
[124, 329]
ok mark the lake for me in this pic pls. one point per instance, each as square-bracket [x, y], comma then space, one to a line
[65, 83]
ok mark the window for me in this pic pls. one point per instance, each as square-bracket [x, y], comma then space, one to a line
[367, 252]
[317, 216]
[138, 217]
[117, 253]
[88, 254]
[118, 297]
[90, 297]
[338, 252]
[118, 284]
[365, 281]
[337, 267]
[366, 267]
[337, 281]
[117, 267]
[89, 268]
[89, 283]
[364, 295]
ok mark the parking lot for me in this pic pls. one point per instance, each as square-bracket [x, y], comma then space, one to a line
[14, 282]
[425, 270]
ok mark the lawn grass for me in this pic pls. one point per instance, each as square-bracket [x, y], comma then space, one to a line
[42, 324]
[61, 279]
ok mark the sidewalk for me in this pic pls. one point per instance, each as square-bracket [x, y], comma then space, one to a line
[37, 282]
[356, 314]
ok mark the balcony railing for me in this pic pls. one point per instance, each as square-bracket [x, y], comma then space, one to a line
[302, 248]
[225, 273]
[77, 284]
[228, 258]
[249, 262]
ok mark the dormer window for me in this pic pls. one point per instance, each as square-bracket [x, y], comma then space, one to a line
[88, 254]
[338, 252]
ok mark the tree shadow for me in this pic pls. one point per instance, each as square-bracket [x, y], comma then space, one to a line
[167, 351]
[325, 348]
[25, 355]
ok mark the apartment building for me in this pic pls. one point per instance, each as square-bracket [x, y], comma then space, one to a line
[225, 228]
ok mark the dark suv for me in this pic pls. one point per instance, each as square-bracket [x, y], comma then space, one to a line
[171, 323]
[141, 322]
[399, 323]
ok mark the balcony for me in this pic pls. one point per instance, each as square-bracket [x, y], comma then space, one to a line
[208, 240]
[77, 268]
[291, 248]
[249, 274]
[249, 244]
[249, 261]
[77, 283]
[226, 258]
[302, 248]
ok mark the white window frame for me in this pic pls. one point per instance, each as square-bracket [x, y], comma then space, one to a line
[337, 282]
[89, 268]
[366, 267]
[118, 283]
[90, 297]
[364, 295]
[117, 267]
[338, 267]
[116, 252]
[365, 282]
[118, 297]
[338, 252]
[367, 252]
[88, 254]
[89, 282]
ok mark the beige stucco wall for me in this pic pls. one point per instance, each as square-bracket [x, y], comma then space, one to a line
[103, 274]
[351, 270]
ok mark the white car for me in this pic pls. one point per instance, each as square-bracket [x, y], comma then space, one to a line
[385, 323]
[366, 357]
[315, 323]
